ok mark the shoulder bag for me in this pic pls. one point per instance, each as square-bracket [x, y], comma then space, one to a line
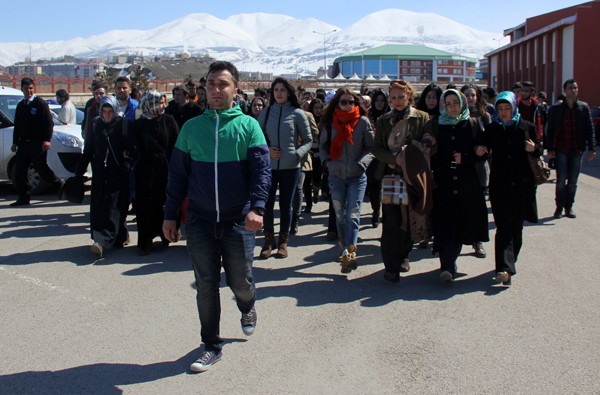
[393, 190]
[539, 168]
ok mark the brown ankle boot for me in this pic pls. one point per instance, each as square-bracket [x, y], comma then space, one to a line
[282, 246]
[269, 245]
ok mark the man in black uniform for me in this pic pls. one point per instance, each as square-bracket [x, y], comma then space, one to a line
[31, 140]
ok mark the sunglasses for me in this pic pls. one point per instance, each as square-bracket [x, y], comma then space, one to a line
[347, 102]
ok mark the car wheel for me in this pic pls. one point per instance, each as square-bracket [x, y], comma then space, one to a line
[37, 184]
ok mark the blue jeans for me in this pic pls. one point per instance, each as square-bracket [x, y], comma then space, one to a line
[210, 244]
[286, 181]
[347, 197]
[567, 173]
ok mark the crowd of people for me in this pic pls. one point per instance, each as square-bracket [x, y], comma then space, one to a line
[427, 162]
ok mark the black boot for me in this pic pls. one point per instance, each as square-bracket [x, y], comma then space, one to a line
[294, 226]
[375, 218]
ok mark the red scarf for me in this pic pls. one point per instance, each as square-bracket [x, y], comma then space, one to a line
[344, 122]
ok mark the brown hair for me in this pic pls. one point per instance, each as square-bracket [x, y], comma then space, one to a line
[327, 117]
[404, 86]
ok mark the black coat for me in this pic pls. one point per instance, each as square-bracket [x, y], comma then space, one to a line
[511, 177]
[459, 210]
[109, 149]
[155, 140]
[183, 114]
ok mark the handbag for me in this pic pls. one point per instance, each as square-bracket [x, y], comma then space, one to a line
[73, 190]
[393, 190]
[539, 168]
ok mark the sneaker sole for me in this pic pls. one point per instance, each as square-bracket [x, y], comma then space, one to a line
[202, 368]
[249, 333]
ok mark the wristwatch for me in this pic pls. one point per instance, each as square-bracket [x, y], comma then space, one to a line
[259, 211]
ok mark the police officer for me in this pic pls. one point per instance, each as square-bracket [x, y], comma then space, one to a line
[31, 140]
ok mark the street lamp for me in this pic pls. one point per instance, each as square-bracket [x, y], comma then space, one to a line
[324, 49]
[499, 40]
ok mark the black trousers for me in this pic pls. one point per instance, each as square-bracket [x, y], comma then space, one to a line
[448, 254]
[509, 216]
[508, 242]
[396, 244]
[31, 152]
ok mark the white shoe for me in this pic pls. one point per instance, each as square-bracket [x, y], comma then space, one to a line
[96, 250]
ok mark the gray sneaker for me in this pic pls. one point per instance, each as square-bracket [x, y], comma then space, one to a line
[205, 361]
[248, 322]
[97, 250]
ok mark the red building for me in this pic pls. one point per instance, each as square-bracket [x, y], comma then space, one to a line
[551, 48]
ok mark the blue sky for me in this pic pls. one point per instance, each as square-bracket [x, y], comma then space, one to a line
[43, 20]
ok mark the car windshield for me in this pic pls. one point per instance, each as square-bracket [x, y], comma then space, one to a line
[8, 105]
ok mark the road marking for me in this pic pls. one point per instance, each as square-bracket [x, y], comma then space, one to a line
[49, 286]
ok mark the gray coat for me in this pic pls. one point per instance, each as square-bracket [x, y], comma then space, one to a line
[355, 158]
[286, 128]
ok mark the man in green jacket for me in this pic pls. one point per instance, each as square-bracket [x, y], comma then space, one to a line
[221, 163]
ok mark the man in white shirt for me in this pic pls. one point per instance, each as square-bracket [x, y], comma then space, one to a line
[67, 113]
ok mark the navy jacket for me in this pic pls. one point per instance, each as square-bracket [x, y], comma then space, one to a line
[33, 121]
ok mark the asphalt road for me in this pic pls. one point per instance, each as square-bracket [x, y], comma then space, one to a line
[128, 324]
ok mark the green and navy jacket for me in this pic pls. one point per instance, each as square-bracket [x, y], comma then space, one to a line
[221, 163]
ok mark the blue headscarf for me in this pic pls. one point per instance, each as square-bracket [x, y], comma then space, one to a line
[510, 98]
[463, 115]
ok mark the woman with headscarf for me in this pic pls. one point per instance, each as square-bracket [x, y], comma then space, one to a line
[109, 148]
[288, 135]
[459, 210]
[345, 146]
[396, 131]
[155, 133]
[477, 110]
[512, 188]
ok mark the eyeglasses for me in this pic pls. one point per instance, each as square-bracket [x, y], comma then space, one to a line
[347, 102]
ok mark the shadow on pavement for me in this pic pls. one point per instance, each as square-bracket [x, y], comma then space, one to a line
[100, 378]
[172, 259]
[53, 225]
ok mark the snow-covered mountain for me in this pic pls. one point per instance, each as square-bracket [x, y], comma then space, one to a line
[268, 42]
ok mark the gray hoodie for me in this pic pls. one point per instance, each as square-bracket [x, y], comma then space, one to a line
[285, 127]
